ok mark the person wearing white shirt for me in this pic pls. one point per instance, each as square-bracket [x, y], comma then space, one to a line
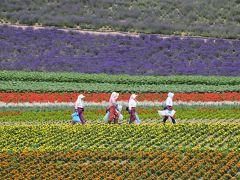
[132, 108]
[79, 107]
[168, 109]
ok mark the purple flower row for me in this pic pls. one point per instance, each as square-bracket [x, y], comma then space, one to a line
[58, 50]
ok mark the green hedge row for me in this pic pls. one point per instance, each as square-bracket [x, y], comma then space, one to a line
[116, 79]
[33, 86]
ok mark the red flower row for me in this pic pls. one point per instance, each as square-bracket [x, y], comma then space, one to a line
[99, 97]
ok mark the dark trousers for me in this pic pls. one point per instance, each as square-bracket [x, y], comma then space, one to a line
[81, 115]
[132, 115]
[166, 117]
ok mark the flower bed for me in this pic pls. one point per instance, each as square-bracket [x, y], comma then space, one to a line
[119, 138]
[120, 165]
[18, 97]
[57, 50]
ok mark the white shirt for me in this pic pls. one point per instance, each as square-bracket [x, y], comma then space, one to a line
[169, 102]
[132, 103]
[79, 103]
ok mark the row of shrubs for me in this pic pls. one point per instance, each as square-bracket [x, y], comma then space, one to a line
[116, 79]
[217, 18]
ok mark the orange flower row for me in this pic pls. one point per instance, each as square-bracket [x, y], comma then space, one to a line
[16, 97]
[119, 165]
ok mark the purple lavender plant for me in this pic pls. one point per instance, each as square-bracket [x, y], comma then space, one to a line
[57, 50]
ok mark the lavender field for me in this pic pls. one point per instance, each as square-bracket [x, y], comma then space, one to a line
[56, 50]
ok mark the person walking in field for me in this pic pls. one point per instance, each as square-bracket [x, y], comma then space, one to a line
[114, 114]
[132, 110]
[79, 107]
[168, 110]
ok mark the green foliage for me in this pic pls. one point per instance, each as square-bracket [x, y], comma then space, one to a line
[18, 81]
[218, 18]
[96, 114]
[32, 86]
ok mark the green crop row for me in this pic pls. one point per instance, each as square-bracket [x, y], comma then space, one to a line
[119, 138]
[116, 79]
[146, 115]
[33, 86]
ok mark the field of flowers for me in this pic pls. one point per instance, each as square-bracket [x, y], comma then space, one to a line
[124, 165]
[37, 139]
[43, 70]
[50, 49]
[110, 151]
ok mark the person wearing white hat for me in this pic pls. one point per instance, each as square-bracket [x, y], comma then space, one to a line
[132, 109]
[168, 109]
[79, 107]
[114, 115]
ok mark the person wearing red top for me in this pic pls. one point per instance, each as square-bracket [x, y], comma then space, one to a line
[114, 115]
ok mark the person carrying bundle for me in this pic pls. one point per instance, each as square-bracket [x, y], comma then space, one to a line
[79, 108]
[114, 114]
[168, 109]
[119, 109]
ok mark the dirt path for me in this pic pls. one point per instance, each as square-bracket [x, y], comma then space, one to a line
[95, 32]
[109, 32]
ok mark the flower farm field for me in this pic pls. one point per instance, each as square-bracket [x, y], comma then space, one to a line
[38, 141]
[44, 69]
[110, 151]
[57, 50]
[109, 165]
